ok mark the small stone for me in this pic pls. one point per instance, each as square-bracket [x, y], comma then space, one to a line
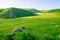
[20, 30]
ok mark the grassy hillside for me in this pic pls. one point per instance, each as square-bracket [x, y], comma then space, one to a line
[31, 10]
[1, 10]
[15, 13]
[54, 11]
[42, 27]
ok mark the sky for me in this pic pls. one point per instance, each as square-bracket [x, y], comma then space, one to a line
[37, 4]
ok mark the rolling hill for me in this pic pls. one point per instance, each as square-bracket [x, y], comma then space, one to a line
[1, 10]
[54, 11]
[15, 13]
[31, 10]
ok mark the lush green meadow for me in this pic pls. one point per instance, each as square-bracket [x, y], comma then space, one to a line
[42, 27]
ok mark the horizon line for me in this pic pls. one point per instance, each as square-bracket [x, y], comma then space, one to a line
[29, 8]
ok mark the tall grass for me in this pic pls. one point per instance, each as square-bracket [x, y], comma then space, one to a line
[40, 28]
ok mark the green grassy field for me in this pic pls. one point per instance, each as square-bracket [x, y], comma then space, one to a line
[42, 27]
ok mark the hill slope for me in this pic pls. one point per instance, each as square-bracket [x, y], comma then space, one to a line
[54, 11]
[42, 28]
[15, 13]
[31, 10]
